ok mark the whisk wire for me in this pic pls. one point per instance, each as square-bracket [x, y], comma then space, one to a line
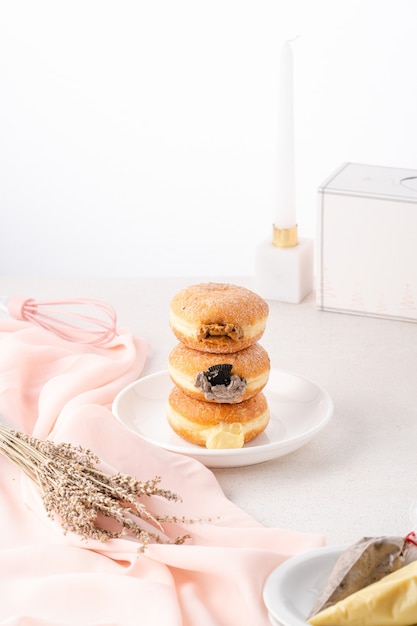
[59, 317]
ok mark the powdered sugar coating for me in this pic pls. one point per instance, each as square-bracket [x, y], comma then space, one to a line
[251, 364]
[218, 317]
[193, 420]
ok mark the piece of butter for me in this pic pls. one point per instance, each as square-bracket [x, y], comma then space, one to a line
[225, 436]
[392, 601]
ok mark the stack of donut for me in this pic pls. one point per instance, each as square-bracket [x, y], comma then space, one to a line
[218, 367]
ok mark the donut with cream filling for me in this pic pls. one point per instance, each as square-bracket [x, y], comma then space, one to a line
[218, 317]
[229, 378]
[217, 425]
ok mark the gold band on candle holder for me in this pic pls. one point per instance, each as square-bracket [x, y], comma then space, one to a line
[284, 237]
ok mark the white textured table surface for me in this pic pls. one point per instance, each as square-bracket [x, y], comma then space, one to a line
[356, 477]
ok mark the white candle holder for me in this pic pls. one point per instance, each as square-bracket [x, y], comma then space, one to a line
[284, 267]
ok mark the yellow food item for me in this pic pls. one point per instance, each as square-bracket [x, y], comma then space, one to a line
[200, 422]
[226, 436]
[362, 564]
[392, 601]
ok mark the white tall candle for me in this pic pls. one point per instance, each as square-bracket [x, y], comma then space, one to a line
[285, 214]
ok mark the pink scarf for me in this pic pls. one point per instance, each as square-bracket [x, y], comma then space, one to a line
[62, 390]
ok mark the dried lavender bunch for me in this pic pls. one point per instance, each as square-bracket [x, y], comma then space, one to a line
[83, 496]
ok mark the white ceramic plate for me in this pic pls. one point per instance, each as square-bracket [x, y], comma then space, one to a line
[292, 588]
[299, 410]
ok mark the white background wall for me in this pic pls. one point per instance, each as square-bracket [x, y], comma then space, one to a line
[138, 137]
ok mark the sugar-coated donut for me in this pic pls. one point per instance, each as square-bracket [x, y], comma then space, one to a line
[232, 377]
[217, 425]
[218, 317]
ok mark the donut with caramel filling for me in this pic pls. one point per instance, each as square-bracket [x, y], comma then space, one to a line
[217, 425]
[229, 378]
[218, 317]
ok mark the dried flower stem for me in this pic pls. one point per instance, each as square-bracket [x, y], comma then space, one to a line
[73, 488]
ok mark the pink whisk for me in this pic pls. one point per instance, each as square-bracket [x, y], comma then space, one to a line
[63, 317]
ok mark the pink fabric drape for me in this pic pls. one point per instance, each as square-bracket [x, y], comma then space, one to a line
[61, 390]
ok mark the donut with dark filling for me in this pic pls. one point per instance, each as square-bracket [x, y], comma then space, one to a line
[213, 377]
